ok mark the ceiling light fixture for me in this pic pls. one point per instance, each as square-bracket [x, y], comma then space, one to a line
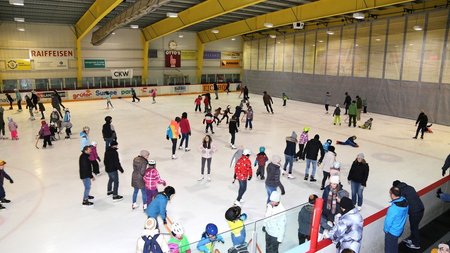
[330, 32]
[215, 31]
[21, 20]
[172, 14]
[320, 41]
[417, 28]
[268, 25]
[273, 36]
[21, 29]
[233, 39]
[180, 36]
[358, 15]
[113, 33]
[134, 26]
[16, 2]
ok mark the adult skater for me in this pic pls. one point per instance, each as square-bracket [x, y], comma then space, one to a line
[267, 99]
[312, 149]
[151, 236]
[55, 92]
[158, 207]
[446, 165]
[29, 106]
[19, 100]
[352, 112]
[108, 96]
[421, 123]
[207, 101]
[86, 174]
[274, 223]
[112, 165]
[207, 150]
[246, 97]
[185, 129]
[2, 123]
[347, 102]
[359, 108]
[304, 138]
[243, 172]
[289, 153]
[327, 101]
[227, 88]
[56, 103]
[273, 177]
[216, 90]
[137, 178]
[41, 108]
[108, 132]
[34, 99]
[3, 175]
[10, 100]
[233, 129]
[133, 93]
[330, 196]
[173, 134]
[225, 113]
[359, 172]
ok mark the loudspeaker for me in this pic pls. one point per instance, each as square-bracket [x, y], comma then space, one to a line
[298, 25]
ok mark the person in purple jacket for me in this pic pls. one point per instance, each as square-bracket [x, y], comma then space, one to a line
[45, 134]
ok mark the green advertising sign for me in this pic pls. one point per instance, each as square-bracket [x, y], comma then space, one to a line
[94, 64]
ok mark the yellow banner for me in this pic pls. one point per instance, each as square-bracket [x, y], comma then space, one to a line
[230, 63]
[18, 64]
[188, 55]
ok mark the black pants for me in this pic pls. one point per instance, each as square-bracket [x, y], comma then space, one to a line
[350, 119]
[19, 104]
[209, 125]
[260, 171]
[326, 107]
[420, 128]
[95, 167]
[198, 107]
[326, 175]
[47, 141]
[10, 104]
[2, 128]
[300, 154]
[225, 116]
[302, 238]
[284, 102]
[43, 116]
[233, 136]
[174, 146]
[272, 244]
[414, 220]
[365, 109]
[135, 97]
[346, 109]
[269, 105]
[208, 162]
[113, 179]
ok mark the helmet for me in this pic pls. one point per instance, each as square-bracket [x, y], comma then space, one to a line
[177, 228]
[66, 109]
[329, 141]
[247, 152]
[262, 149]
[211, 229]
[233, 213]
[86, 128]
[151, 162]
[306, 129]
[336, 165]
[94, 143]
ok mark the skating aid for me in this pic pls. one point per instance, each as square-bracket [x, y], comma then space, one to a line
[37, 141]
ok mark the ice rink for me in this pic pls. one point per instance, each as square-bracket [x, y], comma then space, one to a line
[46, 214]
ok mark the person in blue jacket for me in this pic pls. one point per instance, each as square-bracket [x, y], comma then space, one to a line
[159, 204]
[394, 223]
[209, 238]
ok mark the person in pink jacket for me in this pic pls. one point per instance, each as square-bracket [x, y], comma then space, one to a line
[301, 144]
[152, 179]
[207, 150]
[185, 129]
[13, 129]
[45, 134]
[93, 157]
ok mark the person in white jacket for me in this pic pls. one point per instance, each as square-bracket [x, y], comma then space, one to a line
[275, 223]
[207, 149]
[150, 232]
[327, 163]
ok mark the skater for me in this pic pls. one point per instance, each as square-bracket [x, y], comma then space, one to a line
[93, 157]
[352, 112]
[34, 99]
[243, 172]
[173, 133]
[312, 149]
[108, 97]
[364, 103]
[10, 100]
[153, 94]
[207, 150]
[305, 219]
[359, 106]
[2, 123]
[216, 90]
[289, 153]
[44, 133]
[304, 138]
[328, 161]
[235, 222]
[274, 223]
[151, 180]
[347, 102]
[273, 177]
[327, 101]
[3, 175]
[55, 92]
[267, 99]
[327, 144]
[329, 196]
[225, 113]
[198, 103]
[55, 118]
[86, 174]
[12, 126]
[395, 220]
[285, 98]
[246, 97]
[233, 129]
[56, 103]
[66, 123]
[207, 101]
[185, 129]
[29, 106]
[84, 135]
[41, 108]
[421, 123]
[159, 204]
[358, 175]
[337, 115]
[367, 124]
[237, 113]
[209, 120]
[241, 89]
[178, 241]
[140, 163]
[217, 112]
[133, 93]
[227, 88]
[19, 100]
[108, 132]
[112, 165]
[350, 141]
[209, 238]
[249, 118]
[53, 131]
[151, 236]
[260, 161]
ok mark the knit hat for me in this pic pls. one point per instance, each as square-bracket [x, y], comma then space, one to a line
[294, 135]
[247, 152]
[94, 143]
[275, 196]
[169, 191]
[150, 224]
[334, 180]
[276, 159]
[360, 155]
[144, 153]
[262, 149]
[346, 204]
[113, 143]
[312, 198]
[2, 162]
[316, 136]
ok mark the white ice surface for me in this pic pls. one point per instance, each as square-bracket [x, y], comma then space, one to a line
[46, 214]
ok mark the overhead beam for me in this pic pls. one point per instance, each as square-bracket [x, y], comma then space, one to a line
[196, 14]
[305, 12]
[98, 10]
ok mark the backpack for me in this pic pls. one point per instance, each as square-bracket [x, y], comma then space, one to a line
[151, 245]
[239, 249]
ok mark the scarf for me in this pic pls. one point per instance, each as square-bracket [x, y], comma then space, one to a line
[331, 201]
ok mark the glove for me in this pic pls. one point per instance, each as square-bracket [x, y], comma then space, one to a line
[189, 133]
[100, 160]
[249, 178]
[264, 229]
[234, 176]
[243, 217]
[11, 181]
[165, 222]
[167, 137]
[121, 170]
[164, 183]
[179, 136]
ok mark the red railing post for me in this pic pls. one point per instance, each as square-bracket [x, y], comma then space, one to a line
[315, 225]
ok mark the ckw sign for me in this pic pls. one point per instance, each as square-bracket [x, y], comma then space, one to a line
[122, 73]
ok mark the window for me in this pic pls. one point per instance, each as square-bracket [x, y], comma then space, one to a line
[413, 48]
[9, 85]
[70, 84]
[136, 81]
[347, 46]
[41, 84]
[361, 50]
[298, 52]
[56, 83]
[394, 48]
[25, 84]
[377, 46]
[334, 43]
[434, 45]
[262, 54]
[310, 47]
[88, 82]
[321, 52]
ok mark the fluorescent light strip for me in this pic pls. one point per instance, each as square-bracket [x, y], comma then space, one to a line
[21, 20]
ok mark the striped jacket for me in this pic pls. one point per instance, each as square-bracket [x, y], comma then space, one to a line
[152, 179]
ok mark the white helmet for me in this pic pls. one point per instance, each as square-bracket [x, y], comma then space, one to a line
[152, 162]
[177, 228]
[94, 143]
[247, 152]
[336, 165]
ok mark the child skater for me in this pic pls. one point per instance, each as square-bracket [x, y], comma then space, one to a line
[327, 101]
[152, 179]
[337, 115]
[235, 222]
[3, 175]
[285, 98]
[153, 95]
[301, 144]
[350, 141]
[198, 103]
[217, 112]
[178, 243]
[249, 117]
[13, 129]
[367, 124]
[207, 150]
[261, 159]
[209, 119]
[108, 99]
[225, 113]
[93, 157]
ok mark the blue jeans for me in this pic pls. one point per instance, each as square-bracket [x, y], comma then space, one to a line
[113, 178]
[87, 188]
[184, 137]
[242, 189]
[314, 167]
[390, 243]
[108, 142]
[288, 159]
[270, 189]
[240, 239]
[357, 193]
[143, 193]
[248, 123]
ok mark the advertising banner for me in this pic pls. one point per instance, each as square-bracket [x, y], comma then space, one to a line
[188, 55]
[230, 63]
[122, 73]
[66, 53]
[211, 55]
[18, 64]
[210, 87]
[231, 56]
[49, 63]
[94, 63]
[173, 58]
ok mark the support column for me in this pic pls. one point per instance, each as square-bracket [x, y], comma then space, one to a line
[79, 65]
[145, 47]
[200, 51]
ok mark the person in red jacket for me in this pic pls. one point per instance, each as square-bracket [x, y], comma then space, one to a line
[185, 131]
[198, 102]
[243, 172]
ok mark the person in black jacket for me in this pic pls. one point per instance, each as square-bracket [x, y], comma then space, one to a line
[108, 132]
[246, 97]
[347, 102]
[216, 90]
[3, 175]
[289, 153]
[446, 165]
[415, 211]
[273, 177]
[233, 129]
[86, 174]
[10, 100]
[112, 165]
[312, 149]
[357, 177]
[35, 99]
[421, 124]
